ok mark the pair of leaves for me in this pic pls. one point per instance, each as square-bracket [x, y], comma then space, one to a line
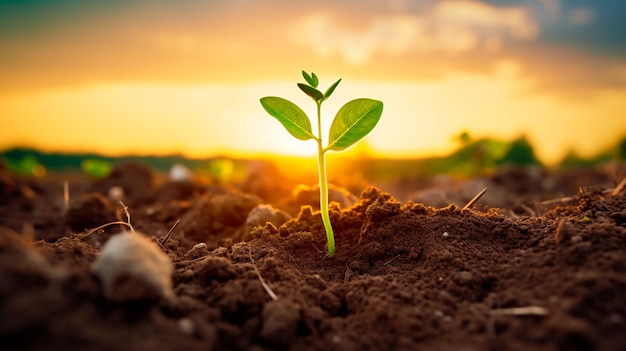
[311, 79]
[353, 121]
[311, 89]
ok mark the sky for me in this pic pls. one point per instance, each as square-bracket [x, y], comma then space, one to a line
[185, 77]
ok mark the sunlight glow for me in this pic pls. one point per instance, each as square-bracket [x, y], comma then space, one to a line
[419, 119]
[161, 77]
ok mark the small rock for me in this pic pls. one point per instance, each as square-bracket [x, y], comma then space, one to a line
[197, 251]
[186, 326]
[131, 267]
[180, 173]
[199, 246]
[116, 193]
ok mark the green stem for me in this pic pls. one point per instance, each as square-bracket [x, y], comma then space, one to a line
[323, 183]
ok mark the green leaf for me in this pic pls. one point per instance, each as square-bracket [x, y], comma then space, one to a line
[353, 121]
[331, 89]
[311, 79]
[315, 80]
[289, 115]
[310, 91]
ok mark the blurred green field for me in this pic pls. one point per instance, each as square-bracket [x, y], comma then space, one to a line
[472, 158]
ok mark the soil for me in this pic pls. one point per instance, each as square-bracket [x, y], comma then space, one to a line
[538, 263]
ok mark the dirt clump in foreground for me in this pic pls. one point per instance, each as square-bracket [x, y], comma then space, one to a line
[406, 276]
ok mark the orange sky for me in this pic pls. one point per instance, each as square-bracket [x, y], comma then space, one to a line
[186, 77]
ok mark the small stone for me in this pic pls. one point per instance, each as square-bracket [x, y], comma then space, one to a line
[445, 234]
[116, 193]
[576, 238]
[199, 246]
[186, 326]
[180, 173]
[132, 267]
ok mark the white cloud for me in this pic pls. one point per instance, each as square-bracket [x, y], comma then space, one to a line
[472, 15]
[450, 27]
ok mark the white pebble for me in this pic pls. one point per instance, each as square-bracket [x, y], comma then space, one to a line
[132, 267]
[180, 173]
[116, 193]
[199, 246]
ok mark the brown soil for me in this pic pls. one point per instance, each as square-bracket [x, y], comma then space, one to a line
[514, 272]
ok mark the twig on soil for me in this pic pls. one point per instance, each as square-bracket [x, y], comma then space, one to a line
[520, 311]
[167, 237]
[619, 187]
[125, 209]
[474, 199]
[391, 260]
[265, 286]
[91, 231]
[561, 230]
[315, 247]
[566, 199]
[562, 200]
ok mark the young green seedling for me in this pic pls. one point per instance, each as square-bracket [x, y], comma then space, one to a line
[353, 121]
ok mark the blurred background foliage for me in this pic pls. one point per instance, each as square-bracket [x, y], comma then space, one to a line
[473, 157]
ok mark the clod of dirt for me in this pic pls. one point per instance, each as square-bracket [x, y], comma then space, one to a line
[131, 267]
[215, 217]
[135, 179]
[262, 214]
[310, 195]
[89, 211]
